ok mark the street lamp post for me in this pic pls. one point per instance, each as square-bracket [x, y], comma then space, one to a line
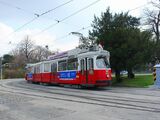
[1, 68]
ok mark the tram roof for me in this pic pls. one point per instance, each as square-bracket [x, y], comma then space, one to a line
[95, 50]
[74, 53]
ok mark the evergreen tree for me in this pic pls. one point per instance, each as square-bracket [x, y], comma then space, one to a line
[119, 34]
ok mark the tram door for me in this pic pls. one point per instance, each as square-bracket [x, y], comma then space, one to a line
[84, 77]
[86, 65]
[53, 72]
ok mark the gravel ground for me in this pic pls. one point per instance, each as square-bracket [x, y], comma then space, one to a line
[22, 101]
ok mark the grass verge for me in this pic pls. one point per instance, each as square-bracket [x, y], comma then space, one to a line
[138, 81]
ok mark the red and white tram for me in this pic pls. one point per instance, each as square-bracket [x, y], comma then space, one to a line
[85, 67]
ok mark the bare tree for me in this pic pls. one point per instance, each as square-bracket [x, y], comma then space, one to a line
[23, 51]
[26, 48]
[153, 19]
[41, 53]
[156, 3]
[27, 52]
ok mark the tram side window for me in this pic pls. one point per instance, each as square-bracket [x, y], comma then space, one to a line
[62, 65]
[47, 67]
[90, 63]
[72, 64]
[54, 67]
[34, 69]
[82, 64]
[37, 69]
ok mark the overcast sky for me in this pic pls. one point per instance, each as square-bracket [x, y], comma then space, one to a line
[15, 13]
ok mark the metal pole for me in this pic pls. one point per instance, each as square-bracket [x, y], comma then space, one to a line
[1, 69]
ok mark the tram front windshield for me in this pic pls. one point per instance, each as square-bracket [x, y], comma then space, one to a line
[102, 62]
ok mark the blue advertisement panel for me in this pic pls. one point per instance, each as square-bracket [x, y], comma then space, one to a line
[67, 75]
[29, 76]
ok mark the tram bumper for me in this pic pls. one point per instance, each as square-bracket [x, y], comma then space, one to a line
[103, 83]
[98, 83]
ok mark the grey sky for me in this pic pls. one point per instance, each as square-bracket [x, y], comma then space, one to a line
[15, 13]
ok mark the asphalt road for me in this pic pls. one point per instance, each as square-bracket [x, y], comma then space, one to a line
[20, 100]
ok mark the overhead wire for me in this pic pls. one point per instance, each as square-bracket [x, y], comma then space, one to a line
[83, 28]
[56, 7]
[39, 15]
[17, 7]
[70, 33]
[65, 18]
[69, 24]
[139, 7]
[65, 36]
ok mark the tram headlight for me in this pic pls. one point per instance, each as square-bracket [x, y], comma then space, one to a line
[107, 73]
[91, 71]
[77, 76]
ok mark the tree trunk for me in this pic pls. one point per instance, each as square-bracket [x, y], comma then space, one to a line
[118, 77]
[130, 73]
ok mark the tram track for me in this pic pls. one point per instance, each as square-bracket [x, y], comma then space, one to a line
[110, 97]
[70, 89]
[87, 100]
